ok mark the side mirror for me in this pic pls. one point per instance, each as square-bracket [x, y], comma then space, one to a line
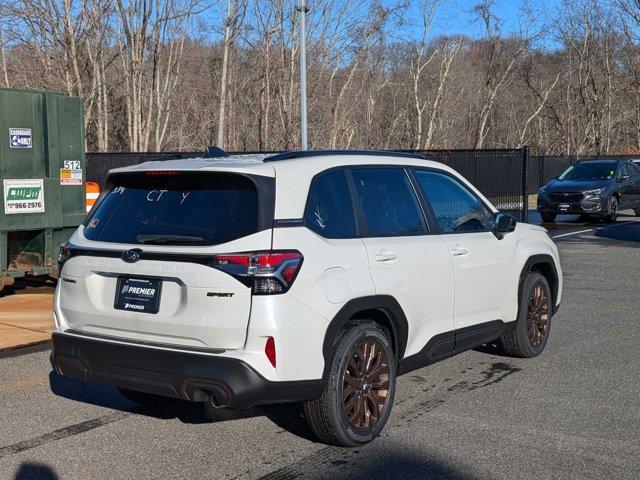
[503, 224]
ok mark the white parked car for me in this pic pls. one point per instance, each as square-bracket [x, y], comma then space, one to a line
[306, 276]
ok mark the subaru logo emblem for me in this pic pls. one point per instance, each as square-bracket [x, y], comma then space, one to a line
[131, 256]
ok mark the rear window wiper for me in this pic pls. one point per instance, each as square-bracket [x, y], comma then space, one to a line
[163, 239]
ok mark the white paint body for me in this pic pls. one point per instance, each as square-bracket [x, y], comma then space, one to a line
[442, 282]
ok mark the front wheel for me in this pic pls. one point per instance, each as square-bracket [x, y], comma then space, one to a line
[357, 399]
[530, 334]
[612, 216]
[548, 217]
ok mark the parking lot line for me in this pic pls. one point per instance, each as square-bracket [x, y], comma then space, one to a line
[591, 229]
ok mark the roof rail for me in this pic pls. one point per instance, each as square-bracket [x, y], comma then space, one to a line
[325, 153]
[173, 156]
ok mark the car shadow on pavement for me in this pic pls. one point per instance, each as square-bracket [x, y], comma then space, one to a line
[101, 396]
[289, 417]
[627, 232]
[35, 471]
[379, 460]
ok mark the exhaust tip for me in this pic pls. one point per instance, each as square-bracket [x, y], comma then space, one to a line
[217, 394]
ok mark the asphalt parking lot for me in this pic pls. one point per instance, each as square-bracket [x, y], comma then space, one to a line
[571, 413]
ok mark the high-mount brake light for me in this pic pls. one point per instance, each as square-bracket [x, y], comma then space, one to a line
[161, 173]
[267, 273]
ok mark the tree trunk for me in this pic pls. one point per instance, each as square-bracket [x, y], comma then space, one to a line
[228, 39]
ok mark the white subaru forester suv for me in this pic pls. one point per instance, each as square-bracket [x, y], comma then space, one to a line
[305, 276]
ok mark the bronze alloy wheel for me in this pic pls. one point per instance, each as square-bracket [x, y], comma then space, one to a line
[365, 384]
[537, 315]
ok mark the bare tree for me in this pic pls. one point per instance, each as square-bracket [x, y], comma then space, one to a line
[367, 36]
[500, 60]
[586, 30]
[421, 58]
[233, 17]
[543, 97]
[443, 74]
[3, 57]
[151, 47]
[629, 19]
[153, 75]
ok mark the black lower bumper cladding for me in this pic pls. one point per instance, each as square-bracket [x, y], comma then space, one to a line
[595, 206]
[190, 376]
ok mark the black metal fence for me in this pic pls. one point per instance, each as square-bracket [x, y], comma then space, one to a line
[501, 174]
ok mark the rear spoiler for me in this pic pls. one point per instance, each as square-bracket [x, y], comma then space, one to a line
[210, 152]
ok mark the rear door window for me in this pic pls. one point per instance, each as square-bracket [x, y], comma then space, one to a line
[175, 208]
[388, 203]
[329, 212]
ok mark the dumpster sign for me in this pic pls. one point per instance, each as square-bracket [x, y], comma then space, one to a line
[20, 138]
[71, 174]
[23, 196]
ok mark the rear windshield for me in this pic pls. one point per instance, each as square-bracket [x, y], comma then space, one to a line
[174, 208]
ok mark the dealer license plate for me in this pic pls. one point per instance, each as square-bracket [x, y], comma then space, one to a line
[138, 294]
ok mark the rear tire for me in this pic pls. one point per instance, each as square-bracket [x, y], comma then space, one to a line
[357, 399]
[146, 399]
[529, 336]
[548, 217]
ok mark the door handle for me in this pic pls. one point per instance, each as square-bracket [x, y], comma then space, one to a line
[458, 251]
[385, 256]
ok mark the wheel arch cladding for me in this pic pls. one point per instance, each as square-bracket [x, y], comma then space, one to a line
[545, 266]
[381, 309]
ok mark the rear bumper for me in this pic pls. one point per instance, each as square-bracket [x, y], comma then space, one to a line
[171, 373]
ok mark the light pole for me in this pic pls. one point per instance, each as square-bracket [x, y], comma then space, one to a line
[303, 73]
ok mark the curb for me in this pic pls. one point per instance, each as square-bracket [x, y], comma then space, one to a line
[25, 349]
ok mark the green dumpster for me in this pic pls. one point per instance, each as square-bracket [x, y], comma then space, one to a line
[42, 175]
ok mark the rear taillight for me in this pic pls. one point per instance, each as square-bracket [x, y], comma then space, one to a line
[267, 273]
